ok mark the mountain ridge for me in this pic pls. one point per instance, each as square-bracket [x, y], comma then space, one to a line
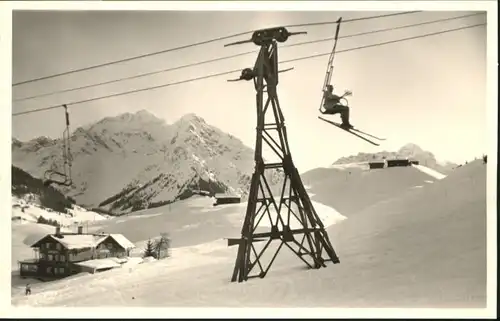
[136, 160]
[411, 151]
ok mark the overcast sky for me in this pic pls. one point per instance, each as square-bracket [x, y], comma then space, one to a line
[429, 91]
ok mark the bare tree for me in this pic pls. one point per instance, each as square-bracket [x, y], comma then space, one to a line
[162, 246]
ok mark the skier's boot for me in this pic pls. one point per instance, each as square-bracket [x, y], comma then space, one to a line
[346, 126]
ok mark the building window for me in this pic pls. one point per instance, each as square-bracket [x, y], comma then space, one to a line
[61, 270]
[62, 258]
[58, 246]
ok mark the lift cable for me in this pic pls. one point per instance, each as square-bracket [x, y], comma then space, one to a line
[237, 55]
[386, 42]
[198, 44]
[239, 70]
[383, 30]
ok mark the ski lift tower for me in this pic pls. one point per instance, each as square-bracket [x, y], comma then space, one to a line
[309, 241]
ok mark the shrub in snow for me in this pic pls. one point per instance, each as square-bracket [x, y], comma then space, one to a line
[43, 220]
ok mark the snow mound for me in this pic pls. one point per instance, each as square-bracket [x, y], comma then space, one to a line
[148, 259]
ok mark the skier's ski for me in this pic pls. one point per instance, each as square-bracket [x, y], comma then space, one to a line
[349, 131]
[364, 133]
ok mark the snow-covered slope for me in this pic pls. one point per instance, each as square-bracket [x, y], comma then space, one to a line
[352, 187]
[426, 248]
[133, 161]
[193, 221]
[23, 211]
[26, 230]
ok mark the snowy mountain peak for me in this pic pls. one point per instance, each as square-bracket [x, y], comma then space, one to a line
[35, 144]
[140, 118]
[411, 149]
[191, 118]
[136, 160]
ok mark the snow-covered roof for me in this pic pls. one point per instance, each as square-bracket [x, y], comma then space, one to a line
[122, 240]
[82, 241]
[100, 263]
[220, 195]
[79, 241]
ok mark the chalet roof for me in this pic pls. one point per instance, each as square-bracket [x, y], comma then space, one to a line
[79, 241]
[82, 241]
[122, 240]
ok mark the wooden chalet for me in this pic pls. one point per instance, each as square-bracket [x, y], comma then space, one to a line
[398, 163]
[62, 254]
[221, 199]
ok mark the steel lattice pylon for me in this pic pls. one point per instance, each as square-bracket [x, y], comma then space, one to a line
[294, 202]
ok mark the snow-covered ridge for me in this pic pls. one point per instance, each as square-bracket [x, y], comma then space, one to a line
[408, 151]
[365, 165]
[26, 211]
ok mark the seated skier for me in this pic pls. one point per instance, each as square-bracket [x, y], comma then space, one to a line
[333, 106]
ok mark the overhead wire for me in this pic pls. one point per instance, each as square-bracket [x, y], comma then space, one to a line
[239, 55]
[386, 42]
[198, 44]
[351, 20]
[384, 30]
[239, 70]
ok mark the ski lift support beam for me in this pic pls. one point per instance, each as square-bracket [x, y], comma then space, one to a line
[329, 68]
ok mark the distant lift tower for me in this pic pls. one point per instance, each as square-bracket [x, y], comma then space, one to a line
[308, 238]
